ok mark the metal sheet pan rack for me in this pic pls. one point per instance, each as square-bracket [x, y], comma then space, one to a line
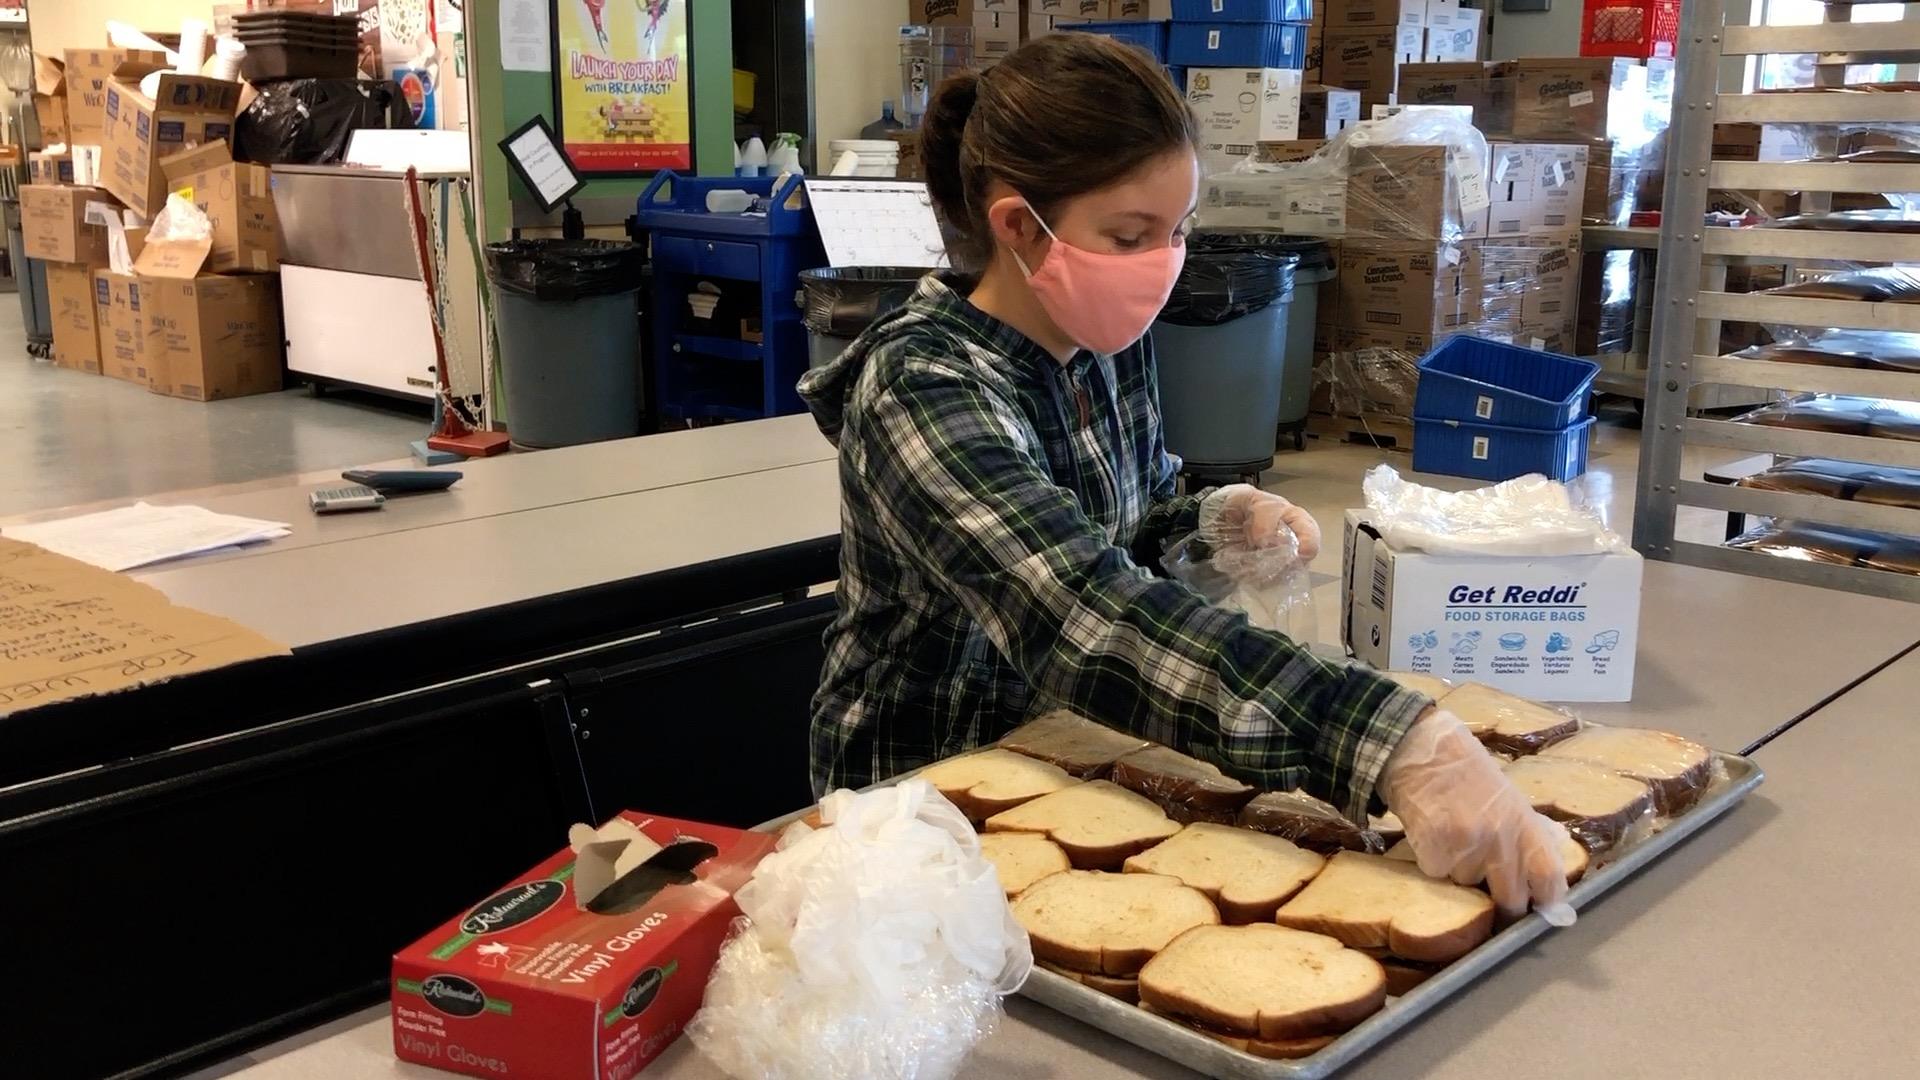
[1690, 296]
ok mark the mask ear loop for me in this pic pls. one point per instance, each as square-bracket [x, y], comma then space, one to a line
[1022, 263]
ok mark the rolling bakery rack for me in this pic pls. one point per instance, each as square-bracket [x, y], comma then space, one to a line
[1690, 300]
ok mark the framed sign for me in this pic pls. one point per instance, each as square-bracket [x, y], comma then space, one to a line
[623, 85]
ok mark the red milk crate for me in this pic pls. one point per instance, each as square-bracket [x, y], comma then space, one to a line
[1643, 29]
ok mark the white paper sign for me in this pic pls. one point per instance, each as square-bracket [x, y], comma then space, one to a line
[526, 37]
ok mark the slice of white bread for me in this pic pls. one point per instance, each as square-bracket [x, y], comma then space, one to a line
[1371, 901]
[984, 784]
[1404, 975]
[1263, 981]
[1073, 742]
[1596, 804]
[1022, 858]
[1433, 686]
[1307, 821]
[1098, 823]
[1279, 1049]
[1677, 769]
[1125, 988]
[1248, 875]
[1505, 722]
[1108, 924]
[1573, 856]
[1187, 788]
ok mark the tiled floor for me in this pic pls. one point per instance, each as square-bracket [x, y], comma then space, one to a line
[68, 438]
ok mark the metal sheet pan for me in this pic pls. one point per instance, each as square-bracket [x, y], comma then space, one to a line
[1209, 1056]
[1216, 1059]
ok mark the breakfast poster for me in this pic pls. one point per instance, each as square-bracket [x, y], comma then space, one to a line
[624, 84]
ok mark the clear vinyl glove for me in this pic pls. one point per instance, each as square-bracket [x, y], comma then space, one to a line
[1257, 518]
[1466, 820]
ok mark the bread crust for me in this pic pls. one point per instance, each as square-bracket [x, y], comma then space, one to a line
[1277, 1049]
[1083, 852]
[1032, 911]
[1311, 911]
[1126, 989]
[1187, 788]
[1160, 989]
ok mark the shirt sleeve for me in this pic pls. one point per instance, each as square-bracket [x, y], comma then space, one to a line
[962, 494]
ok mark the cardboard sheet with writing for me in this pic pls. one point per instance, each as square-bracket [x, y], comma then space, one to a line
[69, 630]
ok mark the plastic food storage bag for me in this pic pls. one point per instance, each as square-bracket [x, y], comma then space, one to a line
[878, 945]
[1528, 515]
[1269, 584]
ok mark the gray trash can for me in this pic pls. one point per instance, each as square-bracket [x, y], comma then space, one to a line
[1315, 269]
[30, 277]
[569, 329]
[1221, 343]
[838, 302]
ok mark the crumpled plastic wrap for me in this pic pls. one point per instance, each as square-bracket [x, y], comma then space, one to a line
[1879, 284]
[1528, 515]
[179, 219]
[878, 945]
[1854, 481]
[1840, 415]
[1270, 585]
[1311, 823]
[1878, 350]
[1187, 788]
[1833, 545]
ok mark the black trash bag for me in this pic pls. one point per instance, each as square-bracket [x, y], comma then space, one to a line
[310, 121]
[842, 301]
[1315, 253]
[565, 269]
[1217, 287]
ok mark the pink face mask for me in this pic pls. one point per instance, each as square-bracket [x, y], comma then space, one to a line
[1103, 302]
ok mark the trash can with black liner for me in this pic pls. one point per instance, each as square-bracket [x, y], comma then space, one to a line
[838, 302]
[569, 331]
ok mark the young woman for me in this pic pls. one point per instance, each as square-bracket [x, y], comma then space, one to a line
[1005, 490]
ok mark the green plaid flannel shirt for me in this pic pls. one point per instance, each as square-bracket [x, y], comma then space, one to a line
[998, 511]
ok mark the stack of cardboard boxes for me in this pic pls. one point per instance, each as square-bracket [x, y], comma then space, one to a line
[193, 316]
[1365, 44]
[1001, 26]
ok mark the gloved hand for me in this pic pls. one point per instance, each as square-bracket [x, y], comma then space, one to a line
[1466, 820]
[1244, 512]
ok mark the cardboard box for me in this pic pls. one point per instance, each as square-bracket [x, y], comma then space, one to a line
[530, 982]
[1423, 291]
[1552, 628]
[1538, 189]
[1326, 111]
[209, 336]
[1285, 151]
[140, 131]
[1580, 97]
[76, 333]
[123, 332]
[1140, 10]
[88, 72]
[1605, 315]
[958, 12]
[1235, 108]
[1456, 39]
[1415, 195]
[1368, 59]
[1487, 88]
[1350, 13]
[1530, 284]
[1621, 180]
[1309, 202]
[1376, 369]
[45, 168]
[995, 35]
[237, 198]
[1737, 142]
[53, 223]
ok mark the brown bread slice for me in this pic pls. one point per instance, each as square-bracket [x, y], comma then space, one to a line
[1022, 859]
[1263, 981]
[1677, 769]
[1371, 901]
[1307, 821]
[1508, 723]
[1108, 924]
[1278, 1049]
[1596, 804]
[1247, 875]
[1573, 856]
[1098, 823]
[985, 783]
[1076, 744]
[1187, 788]
[1115, 986]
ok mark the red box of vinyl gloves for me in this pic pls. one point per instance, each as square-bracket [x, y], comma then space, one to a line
[584, 968]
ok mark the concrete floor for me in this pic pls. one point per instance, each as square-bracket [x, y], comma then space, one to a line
[68, 438]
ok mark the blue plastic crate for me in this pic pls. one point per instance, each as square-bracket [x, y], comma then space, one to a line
[1276, 11]
[1496, 452]
[1149, 35]
[1179, 77]
[1237, 45]
[1489, 382]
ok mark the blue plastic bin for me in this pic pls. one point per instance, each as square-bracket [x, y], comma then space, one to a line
[1179, 77]
[1260, 11]
[1237, 45]
[1496, 452]
[1487, 382]
[1149, 35]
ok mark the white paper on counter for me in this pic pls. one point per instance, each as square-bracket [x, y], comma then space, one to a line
[144, 534]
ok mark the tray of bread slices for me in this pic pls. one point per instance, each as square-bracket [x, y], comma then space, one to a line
[1263, 935]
